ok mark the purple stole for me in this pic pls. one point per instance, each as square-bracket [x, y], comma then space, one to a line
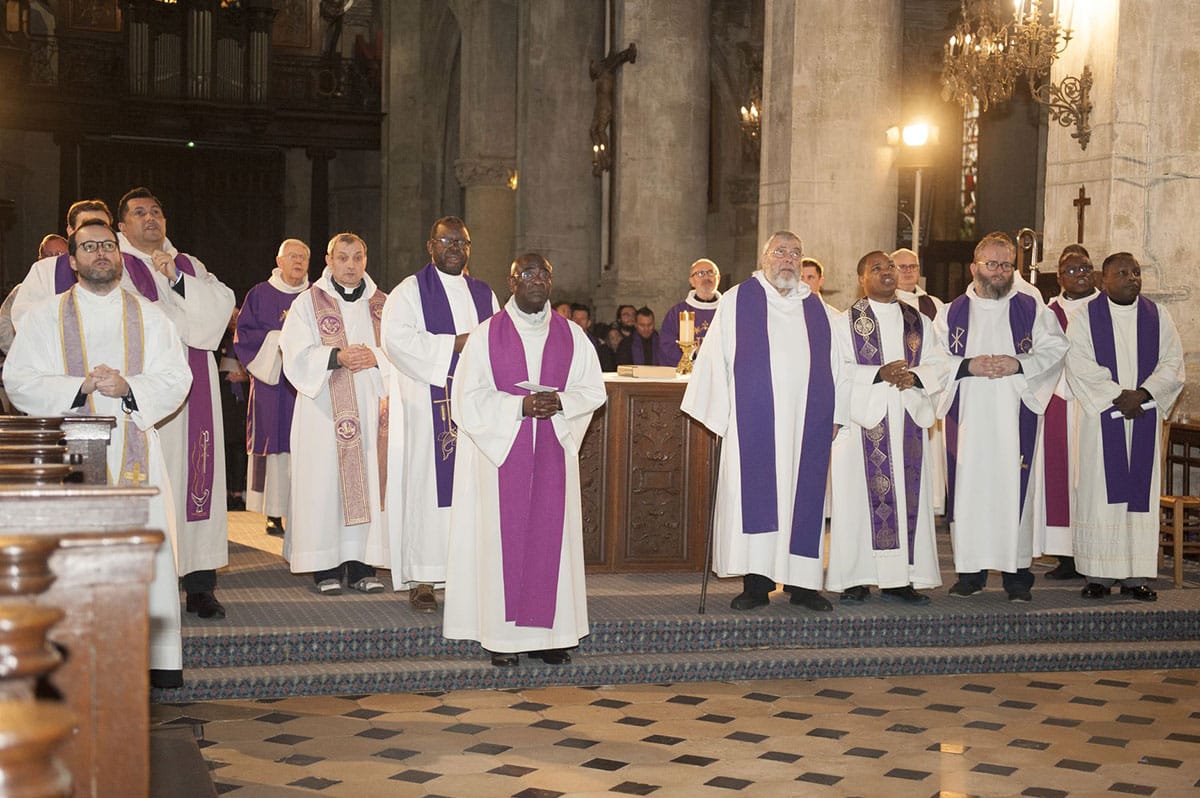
[926, 306]
[637, 348]
[1056, 463]
[533, 478]
[754, 404]
[1022, 311]
[347, 427]
[200, 434]
[439, 320]
[135, 458]
[876, 442]
[1127, 474]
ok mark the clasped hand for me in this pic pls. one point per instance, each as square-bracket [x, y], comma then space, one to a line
[896, 373]
[108, 381]
[1130, 403]
[356, 357]
[993, 366]
[540, 405]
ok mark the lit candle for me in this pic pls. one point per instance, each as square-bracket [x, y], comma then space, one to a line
[687, 326]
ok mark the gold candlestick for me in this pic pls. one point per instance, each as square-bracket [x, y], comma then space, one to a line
[685, 362]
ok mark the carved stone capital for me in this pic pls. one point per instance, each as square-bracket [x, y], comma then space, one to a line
[484, 171]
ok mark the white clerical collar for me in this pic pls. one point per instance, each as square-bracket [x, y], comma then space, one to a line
[801, 291]
[84, 295]
[1119, 308]
[449, 279]
[276, 280]
[127, 246]
[702, 304]
[532, 319]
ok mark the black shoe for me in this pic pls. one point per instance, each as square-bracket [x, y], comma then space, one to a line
[1094, 590]
[504, 660]
[962, 589]
[1021, 596]
[749, 601]
[1141, 593]
[166, 680]
[810, 599]
[858, 594]
[552, 656]
[205, 605]
[235, 504]
[275, 526]
[1064, 570]
[905, 594]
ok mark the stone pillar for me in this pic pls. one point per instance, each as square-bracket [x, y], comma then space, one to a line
[318, 220]
[660, 149]
[400, 147]
[558, 199]
[488, 135]
[1141, 168]
[831, 88]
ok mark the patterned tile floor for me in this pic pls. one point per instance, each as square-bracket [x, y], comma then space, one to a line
[1069, 734]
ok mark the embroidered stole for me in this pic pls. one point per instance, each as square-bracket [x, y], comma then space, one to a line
[1022, 311]
[135, 458]
[440, 320]
[926, 306]
[1127, 471]
[1057, 468]
[347, 427]
[754, 405]
[533, 478]
[876, 441]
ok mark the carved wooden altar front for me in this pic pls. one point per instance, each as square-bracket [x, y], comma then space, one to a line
[646, 474]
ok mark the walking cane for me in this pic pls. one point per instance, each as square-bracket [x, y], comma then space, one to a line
[708, 539]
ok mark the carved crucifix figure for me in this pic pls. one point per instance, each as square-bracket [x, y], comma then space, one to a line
[1081, 203]
[605, 76]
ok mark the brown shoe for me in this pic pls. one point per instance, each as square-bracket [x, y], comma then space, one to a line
[422, 599]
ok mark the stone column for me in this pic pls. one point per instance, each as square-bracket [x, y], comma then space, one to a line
[558, 199]
[831, 88]
[400, 147]
[1141, 168]
[488, 134]
[660, 149]
[318, 220]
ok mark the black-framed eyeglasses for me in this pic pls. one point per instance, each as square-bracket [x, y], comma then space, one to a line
[90, 247]
[997, 265]
[1075, 271]
[451, 243]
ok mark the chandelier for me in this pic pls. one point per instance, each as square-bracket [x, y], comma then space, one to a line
[993, 47]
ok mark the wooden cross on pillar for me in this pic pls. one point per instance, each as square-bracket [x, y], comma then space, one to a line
[1081, 202]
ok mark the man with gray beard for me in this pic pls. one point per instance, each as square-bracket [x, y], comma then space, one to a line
[1006, 353]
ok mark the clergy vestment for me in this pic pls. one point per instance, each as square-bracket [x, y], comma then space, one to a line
[1058, 450]
[272, 398]
[1116, 506]
[337, 513]
[421, 318]
[992, 472]
[36, 377]
[669, 352]
[930, 306]
[775, 456]
[505, 586]
[881, 525]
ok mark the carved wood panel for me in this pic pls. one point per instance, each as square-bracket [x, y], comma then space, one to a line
[592, 489]
[655, 469]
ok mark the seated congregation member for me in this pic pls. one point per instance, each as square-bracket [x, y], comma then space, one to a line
[1006, 351]
[272, 399]
[766, 385]
[606, 338]
[1125, 367]
[581, 314]
[100, 350]
[641, 348]
[624, 319]
[331, 353]
[515, 574]
[881, 528]
[704, 278]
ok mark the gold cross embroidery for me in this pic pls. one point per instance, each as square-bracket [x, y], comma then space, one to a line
[135, 475]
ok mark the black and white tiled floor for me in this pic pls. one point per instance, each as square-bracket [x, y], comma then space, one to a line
[1044, 734]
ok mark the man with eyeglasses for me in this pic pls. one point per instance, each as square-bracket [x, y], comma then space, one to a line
[523, 396]
[426, 321]
[766, 386]
[1059, 439]
[704, 278]
[1006, 351]
[1126, 369]
[101, 349]
[272, 400]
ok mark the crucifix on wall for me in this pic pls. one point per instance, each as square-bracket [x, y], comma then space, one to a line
[1081, 202]
[605, 76]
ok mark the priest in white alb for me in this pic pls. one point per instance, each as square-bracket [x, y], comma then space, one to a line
[1006, 351]
[523, 397]
[97, 349]
[1126, 370]
[765, 385]
[881, 524]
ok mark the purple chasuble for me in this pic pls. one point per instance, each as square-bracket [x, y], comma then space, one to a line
[533, 478]
[669, 352]
[754, 405]
[270, 408]
[440, 321]
[1127, 474]
[876, 442]
[1056, 464]
[1022, 311]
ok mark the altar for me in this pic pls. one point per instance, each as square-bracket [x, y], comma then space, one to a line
[646, 479]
